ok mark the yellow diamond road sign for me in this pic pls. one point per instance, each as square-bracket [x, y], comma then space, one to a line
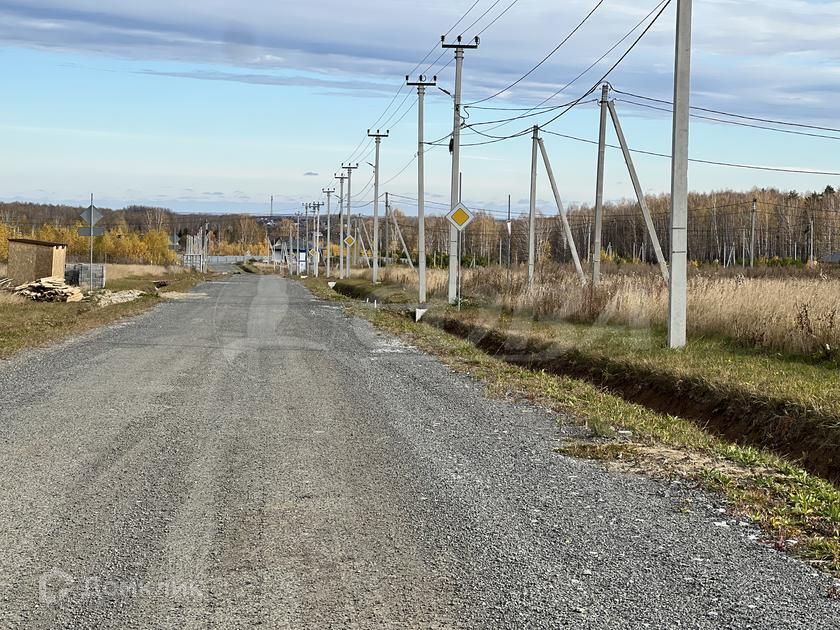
[460, 217]
[349, 241]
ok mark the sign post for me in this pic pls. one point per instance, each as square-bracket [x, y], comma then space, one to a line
[459, 217]
[91, 216]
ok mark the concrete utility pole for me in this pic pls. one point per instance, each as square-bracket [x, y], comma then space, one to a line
[454, 197]
[348, 200]
[510, 234]
[567, 230]
[341, 177]
[752, 234]
[399, 233]
[90, 224]
[377, 137]
[328, 192]
[316, 235]
[599, 186]
[421, 85]
[640, 195]
[305, 237]
[532, 213]
[678, 290]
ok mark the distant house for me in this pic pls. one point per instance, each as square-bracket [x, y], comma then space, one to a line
[831, 259]
[31, 260]
[299, 251]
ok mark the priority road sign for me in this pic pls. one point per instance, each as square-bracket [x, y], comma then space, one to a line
[91, 215]
[349, 241]
[460, 217]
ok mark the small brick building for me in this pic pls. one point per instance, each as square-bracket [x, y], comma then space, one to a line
[30, 260]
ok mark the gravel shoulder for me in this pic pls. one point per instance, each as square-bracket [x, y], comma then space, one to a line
[254, 456]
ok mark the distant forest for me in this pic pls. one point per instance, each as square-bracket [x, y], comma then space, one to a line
[789, 228]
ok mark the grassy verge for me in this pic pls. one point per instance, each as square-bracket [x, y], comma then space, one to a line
[799, 512]
[25, 324]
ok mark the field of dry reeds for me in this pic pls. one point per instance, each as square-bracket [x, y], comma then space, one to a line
[795, 313]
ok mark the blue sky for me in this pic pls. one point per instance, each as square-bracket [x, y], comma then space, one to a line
[217, 105]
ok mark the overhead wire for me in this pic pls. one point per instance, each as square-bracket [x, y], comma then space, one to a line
[731, 114]
[661, 6]
[732, 122]
[542, 61]
[776, 169]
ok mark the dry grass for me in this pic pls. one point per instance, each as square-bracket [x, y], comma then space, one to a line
[797, 315]
[7, 297]
[24, 323]
[3, 269]
[118, 272]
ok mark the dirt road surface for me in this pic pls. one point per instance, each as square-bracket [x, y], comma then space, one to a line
[252, 457]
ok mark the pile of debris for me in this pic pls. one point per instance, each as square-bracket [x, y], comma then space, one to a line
[50, 290]
[107, 298]
[5, 283]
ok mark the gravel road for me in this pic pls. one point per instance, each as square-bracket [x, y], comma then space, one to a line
[250, 456]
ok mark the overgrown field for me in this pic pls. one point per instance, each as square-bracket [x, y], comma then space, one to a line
[796, 314]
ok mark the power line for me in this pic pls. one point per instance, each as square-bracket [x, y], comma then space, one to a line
[618, 61]
[497, 18]
[732, 115]
[546, 58]
[402, 85]
[661, 6]
[775, 169]
[480, 17]
[733, 122]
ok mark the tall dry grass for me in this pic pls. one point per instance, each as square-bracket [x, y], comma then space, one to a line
[795, 314]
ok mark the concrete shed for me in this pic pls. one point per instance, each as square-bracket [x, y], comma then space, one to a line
[30, 260]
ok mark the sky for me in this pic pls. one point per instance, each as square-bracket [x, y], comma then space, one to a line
[215, 105]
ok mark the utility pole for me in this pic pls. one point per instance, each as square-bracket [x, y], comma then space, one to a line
[454, 197]
[328, 192]
[599, 186]
[510, 233]
[421, 85]
[377, 137]
[752, 234]
[341, 177]
[387, 241]
[306, 235]
[678, 289]
[640, 195]
[532, 213]
[348, 200]
[316, 235]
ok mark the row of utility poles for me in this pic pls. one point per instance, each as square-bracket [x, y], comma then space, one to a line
[676, 275]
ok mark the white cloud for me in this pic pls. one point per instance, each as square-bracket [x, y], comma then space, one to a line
[771, 50]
